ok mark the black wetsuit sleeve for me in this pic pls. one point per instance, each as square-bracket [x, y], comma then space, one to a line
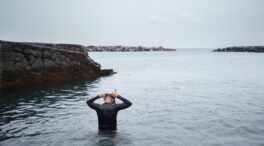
[126, 103]
[91, 103]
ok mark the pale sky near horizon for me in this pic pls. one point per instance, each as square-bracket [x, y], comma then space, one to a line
[168, 23]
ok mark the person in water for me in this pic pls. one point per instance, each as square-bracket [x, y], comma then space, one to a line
[107, 112]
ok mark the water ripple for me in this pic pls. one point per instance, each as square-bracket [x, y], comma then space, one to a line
[178, 99]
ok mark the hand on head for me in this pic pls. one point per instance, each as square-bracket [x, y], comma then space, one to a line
[109, 97]
[113, 94]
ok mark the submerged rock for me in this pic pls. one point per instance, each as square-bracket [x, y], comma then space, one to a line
[107, 72]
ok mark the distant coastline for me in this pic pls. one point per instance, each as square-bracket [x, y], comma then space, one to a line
[125, 49]
[94, 48]
[256, 49]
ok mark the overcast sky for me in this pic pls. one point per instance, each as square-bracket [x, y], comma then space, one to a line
[169, 23]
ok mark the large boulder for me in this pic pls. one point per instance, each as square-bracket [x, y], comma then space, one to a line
[27, 64]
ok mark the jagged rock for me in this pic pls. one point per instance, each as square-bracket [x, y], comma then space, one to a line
[28, 68]
[48, 63]
[68, 60]
[28, 51]
[37, 63]
[9, 66]
[51, 66]
[58, 61]
[19, 57]
[256, 49]
[6, 47]
[24, 63]
[8, 56]
[107, 72]
[54, 56]
[27, 64]
[18, 49]
[31, 60]
[18, 66]
[46, 54]
[37, 53]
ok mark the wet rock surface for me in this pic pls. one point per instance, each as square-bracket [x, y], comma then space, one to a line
[27, 64]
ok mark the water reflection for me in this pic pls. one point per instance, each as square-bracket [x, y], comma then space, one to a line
[21, 109]
[178, 99]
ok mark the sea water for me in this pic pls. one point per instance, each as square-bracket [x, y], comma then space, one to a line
[188, 97]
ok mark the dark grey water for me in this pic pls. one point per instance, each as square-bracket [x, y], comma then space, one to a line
[179, 98]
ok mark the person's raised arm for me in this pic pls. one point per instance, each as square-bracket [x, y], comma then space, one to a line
[91, 103]
[126, 103]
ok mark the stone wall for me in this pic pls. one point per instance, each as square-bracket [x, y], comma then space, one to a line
[67, 47]
[26, 64]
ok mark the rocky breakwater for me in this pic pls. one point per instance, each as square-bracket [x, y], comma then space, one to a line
[27, 64]
[125, 49]
[257, 49]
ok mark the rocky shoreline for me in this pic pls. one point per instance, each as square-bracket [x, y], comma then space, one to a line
[91, 48]
[28, 64]
[125, 49]
[256, 49]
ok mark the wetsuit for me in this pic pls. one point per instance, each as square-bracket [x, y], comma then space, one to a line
[107, 112]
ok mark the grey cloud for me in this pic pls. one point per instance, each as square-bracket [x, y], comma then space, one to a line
[170, 23]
